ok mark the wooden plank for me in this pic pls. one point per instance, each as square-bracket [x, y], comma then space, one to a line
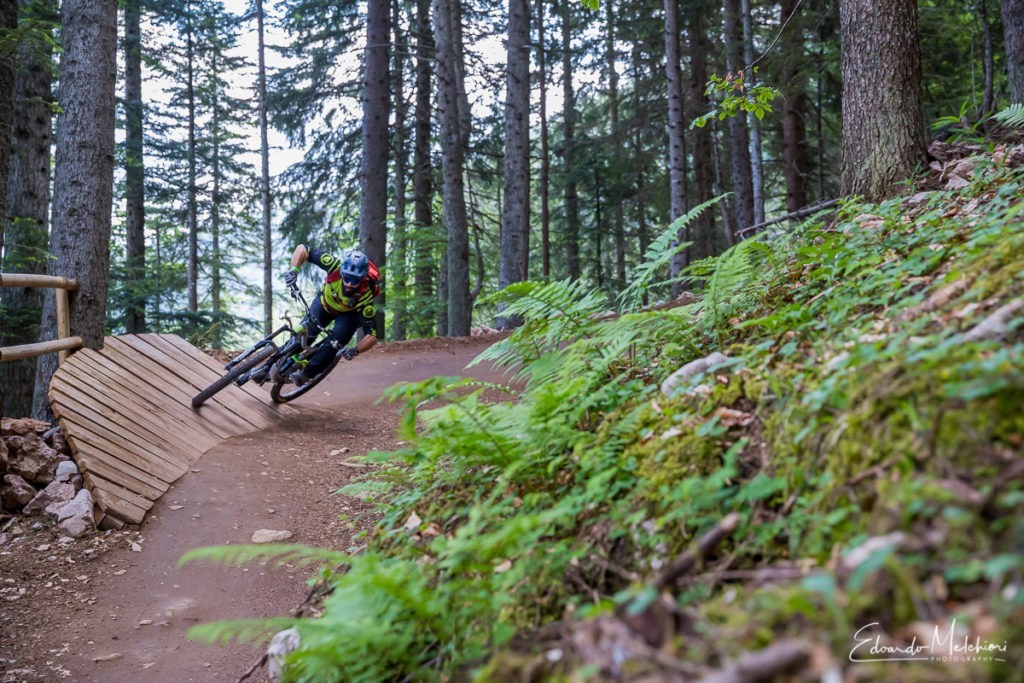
[86, 445]
[133, 364]
[107, 419]
[252, 390]
[161, 463]
[103, 467]
[149, 426]
[196, 378]
[147, 396]
[237, 398]
[108, 497]
[258, 400]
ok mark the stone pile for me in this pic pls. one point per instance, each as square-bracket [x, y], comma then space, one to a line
[39, 477]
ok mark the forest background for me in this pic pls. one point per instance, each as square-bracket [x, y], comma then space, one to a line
[459, 166]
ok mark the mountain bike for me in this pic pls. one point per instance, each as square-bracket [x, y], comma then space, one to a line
[270, 360]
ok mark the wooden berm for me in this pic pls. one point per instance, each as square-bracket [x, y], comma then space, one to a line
[126, 413]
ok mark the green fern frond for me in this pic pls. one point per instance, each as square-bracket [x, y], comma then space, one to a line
[659, 253]
[240, 630]
[552, 314]
[734, 277]
[280, 553]
[1012, 116]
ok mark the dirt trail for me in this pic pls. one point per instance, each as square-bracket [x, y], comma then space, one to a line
[99, 610]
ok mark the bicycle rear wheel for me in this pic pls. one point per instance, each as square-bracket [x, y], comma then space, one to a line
[258, 357]
[284, 391]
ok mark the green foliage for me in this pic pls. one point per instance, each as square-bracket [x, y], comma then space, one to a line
[1012, 116]
[734, 95]
[852, 400]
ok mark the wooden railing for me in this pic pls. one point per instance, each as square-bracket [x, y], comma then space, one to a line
[64, 341]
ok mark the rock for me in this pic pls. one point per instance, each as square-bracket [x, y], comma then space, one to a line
[957, 183]
[32, 459]
[691, 369]
[281, 644]
[270, 536]
[3, 456]
[66, 471]
[75, 519]
[22, 427]
[16, 492]
[51, 499]
[996, 325]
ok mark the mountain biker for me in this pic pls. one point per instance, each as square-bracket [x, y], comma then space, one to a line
[346, 297]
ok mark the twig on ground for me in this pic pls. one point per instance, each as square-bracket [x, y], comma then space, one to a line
[787, 656]
[692, 557]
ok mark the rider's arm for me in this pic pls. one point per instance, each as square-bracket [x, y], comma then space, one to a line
[299, 256]
[366, 343]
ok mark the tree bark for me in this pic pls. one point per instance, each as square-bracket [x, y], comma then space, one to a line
[25, 173]
[738, 127]
[515, 215]
[883, 126]
[545, 152]
[756, 159]
[376, 109]
[676, 133]
[794, 125]
[192, 191]
[703, 225]
[83, 175]
[422, 171]
[618, 216]
[135, 193]
[454, 139]
[1013, 33]
[265, 199]
[570, 192]
[399, 275]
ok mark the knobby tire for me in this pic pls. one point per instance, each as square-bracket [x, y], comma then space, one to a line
[281, 395]
[258, 357]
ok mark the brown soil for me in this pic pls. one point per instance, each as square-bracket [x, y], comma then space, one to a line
[116, 607]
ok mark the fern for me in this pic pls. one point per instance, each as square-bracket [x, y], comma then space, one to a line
[292, 553]
[553, 314]
[1012, 116]
[732, 278]
[659, 254]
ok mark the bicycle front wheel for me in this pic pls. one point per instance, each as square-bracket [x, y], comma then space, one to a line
[258, 357]
[284, 391]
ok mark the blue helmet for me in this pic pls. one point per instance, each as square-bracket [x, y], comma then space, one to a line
[354, 264]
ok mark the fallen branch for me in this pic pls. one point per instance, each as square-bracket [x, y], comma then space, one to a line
[785, 657]
[793, 216]
[687, 561]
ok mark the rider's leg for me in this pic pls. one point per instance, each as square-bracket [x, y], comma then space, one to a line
[345, 325]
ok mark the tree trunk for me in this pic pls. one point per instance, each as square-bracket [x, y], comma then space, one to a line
[738, 127]
[570, 193]
[703, 225]
[26, 177]
[988, 98]
[1013, 32]
[261, 94]
[422, 171]
[618, 218]
[399, 257]
[756, 160]
[454, 139]
[215, 241]
[135, 176]
[883, 127]
[515, 215]
[192, 191]
[545, 152]
[794, 126]
[376, 109]
[676, 133]
[83, 175]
